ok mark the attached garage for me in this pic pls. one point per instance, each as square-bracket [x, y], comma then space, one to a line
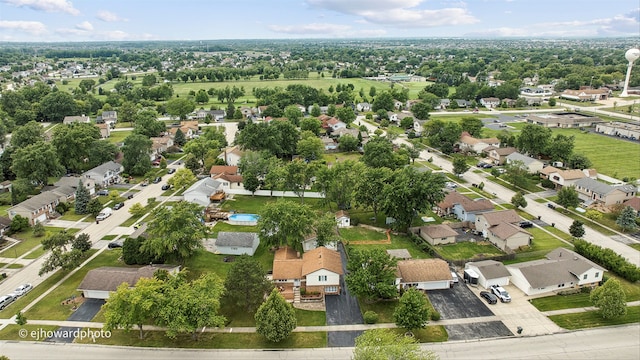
[489, 272]
[423, 274]
[99, 283]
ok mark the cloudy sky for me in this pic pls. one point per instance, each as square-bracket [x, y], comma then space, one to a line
[94, 20]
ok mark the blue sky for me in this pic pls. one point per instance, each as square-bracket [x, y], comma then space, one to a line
[96, 20]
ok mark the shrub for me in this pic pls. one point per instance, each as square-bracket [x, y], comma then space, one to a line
[435, 316]
[608, 259]
[355, 221]
[593, 214]
[370, 317]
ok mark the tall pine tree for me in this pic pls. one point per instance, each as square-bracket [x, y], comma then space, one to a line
[82, 198]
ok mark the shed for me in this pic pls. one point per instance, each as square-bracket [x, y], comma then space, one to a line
[237, 243]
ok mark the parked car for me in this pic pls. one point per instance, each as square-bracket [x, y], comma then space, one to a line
[526, 224]
[105, 213]
[487, 166]
[501, 293]
[157, 180]
[481, 164]
[455, 277]
[103, 192]
[171, 171]
[130, 196]
[551, 206]
[166, 187]
[22, 289]
[115, 244]
[6, 300]
[489, 297]
[451, 185]
[137, 226]
[118, 206]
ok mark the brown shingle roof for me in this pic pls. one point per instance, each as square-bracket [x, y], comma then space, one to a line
[229, 178]
[108, 278]
[571, 174]
[467, 204]
[491, 269]
[505, 230]
[422, 270]
[438, 231]
[321, 258]
[497, 217]
[548, 170]
[223, 169]
[634, 203]
[504, 151]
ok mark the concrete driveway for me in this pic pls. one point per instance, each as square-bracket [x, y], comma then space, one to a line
[342, 309]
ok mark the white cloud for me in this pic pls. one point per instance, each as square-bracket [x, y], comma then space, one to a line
[399, 13]
[45, 5]
[85, 26]
[108, 16]
[115, 35]
[30, 27]
[306, 29]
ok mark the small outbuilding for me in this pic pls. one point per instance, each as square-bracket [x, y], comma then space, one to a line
[489, 272]
[343, 219]
[237, 243]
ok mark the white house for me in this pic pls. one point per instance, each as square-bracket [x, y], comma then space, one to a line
[99, 283]
[201, 191]
[533, 165]
[343, 219]
[105, 174]
[562, 269]
[469, 143]
[490, 272]
[231, 156]
[237, 243]
[490, 102]
[463, 207]
[423, 274]
[364, 106]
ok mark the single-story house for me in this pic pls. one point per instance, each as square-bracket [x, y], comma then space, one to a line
[502, 230]
[99, 283]
[105, 174]
[237, 243]
[318, 270]
[490, 272]
[469, 143]
[564, 120]
[5, 223]
[201, 191]
[533, 165]
[329, 143]
[561, 178]
[231, 156]
[423, 274]
[336, 124]
[490, 102]
[595, 191]
[343, 219]
[562, 269]
[437, 234]
[76, 119]
[499, 155]
[463, 207]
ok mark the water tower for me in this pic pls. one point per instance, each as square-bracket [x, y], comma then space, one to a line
[631, 55]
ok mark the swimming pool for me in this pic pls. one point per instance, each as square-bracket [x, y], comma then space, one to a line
[244, 219]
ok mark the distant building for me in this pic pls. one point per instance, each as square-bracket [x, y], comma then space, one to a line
[564, 120]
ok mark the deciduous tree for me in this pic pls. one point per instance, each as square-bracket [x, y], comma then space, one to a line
[412, 311]
[135, 151]
[371, 274]
[576, 229]
[533, 139]
[246, 284]
[518, 200]
[180, 107]
[368, 191]
[568, 197]
[460, 165]
[610, 298]
[285, 223]
[37, 162]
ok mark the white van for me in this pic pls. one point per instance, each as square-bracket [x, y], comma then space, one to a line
[455, 277]
[105, 213]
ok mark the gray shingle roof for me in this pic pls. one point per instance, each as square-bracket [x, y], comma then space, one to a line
[491, 269]
[519, 157]
[102, 169]
[38, 201]
[205, 186]
[236, 239]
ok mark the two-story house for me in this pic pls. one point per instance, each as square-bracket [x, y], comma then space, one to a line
[105, 174]
[502, 229]
[464, 208]
[595, 191]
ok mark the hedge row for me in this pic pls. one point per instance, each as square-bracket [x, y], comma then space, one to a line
[608, 259]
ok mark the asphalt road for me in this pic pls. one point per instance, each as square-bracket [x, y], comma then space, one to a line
[621, 343]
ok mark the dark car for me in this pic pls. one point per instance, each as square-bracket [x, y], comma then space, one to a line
[171, 171]
[526, 224]
[489, 297]
[115, 244]
[130, 196]
[157, 180]
[166, 187]
[481, 164]
[487, 166]
[103, 193]
[551, 206]
[118, 206]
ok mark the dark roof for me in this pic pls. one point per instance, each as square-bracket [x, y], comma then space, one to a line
[108, 278]
[239, 239]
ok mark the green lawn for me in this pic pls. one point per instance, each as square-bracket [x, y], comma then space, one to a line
[237, 317]
[432, 333]
[211, 340]
[247, 204]
[28, 241]
[223, 226]
[360, 233]
[205, 261]
[12, 332]
[467, 250]
[384, 309]
[51, 307]
[397, 242]
[11, 266]
[72, 216]
[592, 319]
[341, 156]
[587, 222]
[119, 136]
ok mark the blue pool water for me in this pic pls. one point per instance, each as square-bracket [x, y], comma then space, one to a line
[244, 217]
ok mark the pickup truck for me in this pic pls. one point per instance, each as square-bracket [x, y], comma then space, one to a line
[501, 293]
[105, 213]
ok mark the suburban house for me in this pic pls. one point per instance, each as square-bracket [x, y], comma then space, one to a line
[108, 117]
[444, 104]
[586, 94]
[561, 269]
[418, 125]
[437, 234]
[76, 119]
[99, 283]
[231, 155]
[237, 243]
[329, 143]
[623, 130]
[634, 203]
[463, 103]
[561, 178]
[5, 223]
[72, 181]
[490, 102]
[502, 230]
[189, 128]
[105, 130]
[335, 124]
[563, 120]
[318, 270]
[229, 182]
[364, 106]
[464, 208]
[498, 155]
[423, 274]
[592, 190]
[216, 115]
[343, 219]
[160, 145]
[469, 143]
[223, 169]
[490, 272]
[533, 165]
[37, 208]
[201, 191]
[105, 174]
